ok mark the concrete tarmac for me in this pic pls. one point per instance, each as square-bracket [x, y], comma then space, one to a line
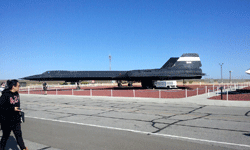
[71, 136]
[63, 122]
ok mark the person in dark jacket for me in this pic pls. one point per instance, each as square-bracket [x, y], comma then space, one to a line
[10, 114]
[45, 88]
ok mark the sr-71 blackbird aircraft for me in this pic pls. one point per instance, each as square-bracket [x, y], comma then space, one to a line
[185, 67]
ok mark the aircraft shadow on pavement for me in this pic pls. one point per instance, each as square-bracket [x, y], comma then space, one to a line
[127, 88]
[185, 87]
[108, 88]
[241, 91]
[133, 88]
[118, 88]
[11, 144]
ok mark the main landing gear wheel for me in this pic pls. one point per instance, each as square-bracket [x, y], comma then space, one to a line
[147, 84]
[119, 83]
[78, 85]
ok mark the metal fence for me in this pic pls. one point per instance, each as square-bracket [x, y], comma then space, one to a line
[108, 90]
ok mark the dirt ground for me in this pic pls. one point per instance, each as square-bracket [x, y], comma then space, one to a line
[243, 95]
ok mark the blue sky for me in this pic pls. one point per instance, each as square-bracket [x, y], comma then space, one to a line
[41, 35]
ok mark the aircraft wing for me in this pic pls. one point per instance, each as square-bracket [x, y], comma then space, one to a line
[74, 76]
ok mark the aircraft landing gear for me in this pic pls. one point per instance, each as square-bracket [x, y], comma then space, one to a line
[78, 85]
[119, 83]
[147, 84]
[130, 83]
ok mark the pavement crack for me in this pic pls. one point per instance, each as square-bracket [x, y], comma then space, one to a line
[45, 148]
[247, 113]
[104, 112]
[58, 118]
[153, 123]
[137, 106]
[178, 121]
[233, 130]
[196, 109]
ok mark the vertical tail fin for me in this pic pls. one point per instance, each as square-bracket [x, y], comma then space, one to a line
[170, 63]
[186, 61]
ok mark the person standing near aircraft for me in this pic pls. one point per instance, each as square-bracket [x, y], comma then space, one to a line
[2, 86]
[45, 88]
[10, 114]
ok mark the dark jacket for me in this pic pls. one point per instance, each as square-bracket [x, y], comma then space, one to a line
[9, 100]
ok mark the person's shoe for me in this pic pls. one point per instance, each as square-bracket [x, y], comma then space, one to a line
[26, 149]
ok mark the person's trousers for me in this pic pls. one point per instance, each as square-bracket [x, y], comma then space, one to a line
[18, 135]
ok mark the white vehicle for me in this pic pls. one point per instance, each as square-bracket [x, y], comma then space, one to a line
[166, 84]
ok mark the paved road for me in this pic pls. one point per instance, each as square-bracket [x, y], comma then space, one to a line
[80, 137]
[128, 123]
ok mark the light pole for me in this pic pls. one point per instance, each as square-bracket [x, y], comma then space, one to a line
[221, 71]
[230, 76]
[110, 62]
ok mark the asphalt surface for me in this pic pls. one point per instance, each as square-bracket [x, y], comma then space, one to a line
[72, 136]
[77, 122]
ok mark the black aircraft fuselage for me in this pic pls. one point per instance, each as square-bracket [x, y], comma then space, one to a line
[185, 67]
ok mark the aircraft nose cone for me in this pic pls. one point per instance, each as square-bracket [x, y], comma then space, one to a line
[248, 71]
[26, 78]
[31, 77]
